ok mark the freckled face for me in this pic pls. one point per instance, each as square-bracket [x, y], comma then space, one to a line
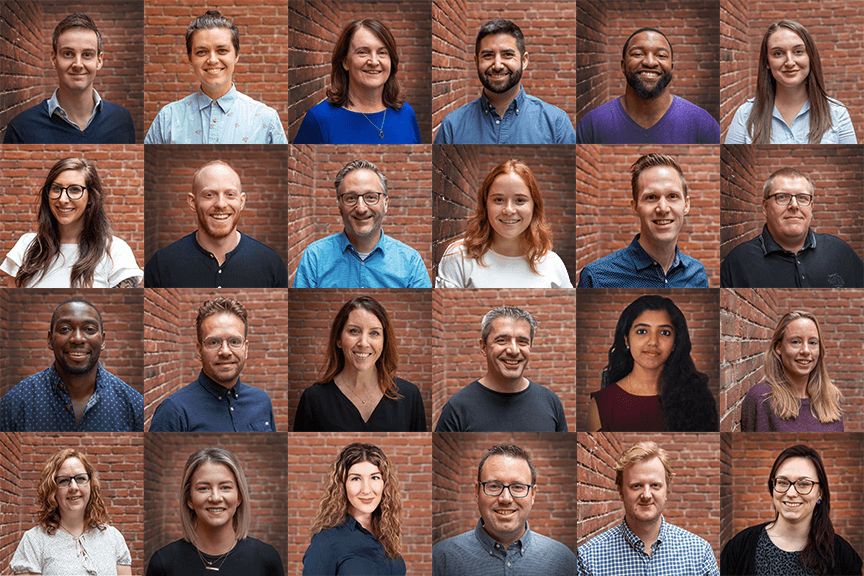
[509, 206]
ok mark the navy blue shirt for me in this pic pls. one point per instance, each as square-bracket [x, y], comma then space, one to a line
[41, 403]
[111, 124]
[349, 550]
[205, 406]
[186, 264]
[632, 267]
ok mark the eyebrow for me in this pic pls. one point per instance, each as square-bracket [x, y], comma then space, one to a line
[649, 325]
[376, 327]
[781, 47]
[205, 46]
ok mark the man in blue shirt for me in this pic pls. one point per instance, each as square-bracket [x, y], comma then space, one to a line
[361, 256]
[75, 114]
[652, 259]
[217, 401]
[504, 113]
[76, 394]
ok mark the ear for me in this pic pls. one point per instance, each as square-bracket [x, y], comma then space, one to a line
[482, 346]
[103, 342]
[53, 59]
[633, 205]
[50, 346]
[242, 201]
[386, 203]
[686, 205]
[190, 199]
[525, 61]
[99, 61]
[198, 351]
[765, 207]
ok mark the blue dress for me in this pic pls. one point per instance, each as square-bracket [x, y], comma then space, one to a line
[325, 123]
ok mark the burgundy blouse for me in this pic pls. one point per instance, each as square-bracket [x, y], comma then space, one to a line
[621, 411]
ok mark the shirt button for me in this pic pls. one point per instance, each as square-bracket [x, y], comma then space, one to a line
[220, 397]
[497, 121]
[220, 271]
[508, 564]
[232, 408]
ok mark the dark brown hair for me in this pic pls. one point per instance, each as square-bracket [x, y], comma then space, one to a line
[76, 20]
[208, 20]
[221, 305]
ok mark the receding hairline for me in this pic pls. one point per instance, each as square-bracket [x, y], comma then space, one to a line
[200, 171]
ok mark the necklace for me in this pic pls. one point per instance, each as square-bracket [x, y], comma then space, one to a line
[208, 564]
[344, 385]
[69, 531]
[381, 129]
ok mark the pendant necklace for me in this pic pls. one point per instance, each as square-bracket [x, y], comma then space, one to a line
[381, 129]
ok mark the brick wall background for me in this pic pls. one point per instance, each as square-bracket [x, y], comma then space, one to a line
[314, 29]
[11, 528]
[310, 455]
[550, 36]
[832, 24]
[458, 172]
[606, 222]
[604, 26]
[259, 73]
[264, 461]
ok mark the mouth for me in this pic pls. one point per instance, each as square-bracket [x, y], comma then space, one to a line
[214, 70]
[498, 75]
[804, 362]
[663, 222]
[793, 505]
[68, 210]
[505, 512]
[361, 354]
[74, 497]
[373, 71]
[367, 501]
[511, 362]
[510, 222]
[215, 510]
[78, 354]
[649, 74]
[221, 217]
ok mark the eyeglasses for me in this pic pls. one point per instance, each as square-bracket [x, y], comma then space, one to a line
[213, 344]
[802, 486]
[496, 488]
[66, 481]
[74, 192]
[783, 199]
[369, 198]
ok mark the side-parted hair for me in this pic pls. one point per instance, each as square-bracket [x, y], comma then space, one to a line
[506, 312]
[825, 397]
[337, 93]
[387, 362]
[188, 517]
[536, 239]
[652, 161]
[792, 173]
[333, 508]
[359, 165]
[48, 515]
[640, 452]
[759, 122]
[76, 20]
[646, 29]
[207, 21]
[83, 301]
[500, 26]
[512, 451]
[221, 305]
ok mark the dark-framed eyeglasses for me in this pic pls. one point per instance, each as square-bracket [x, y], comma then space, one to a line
[802, 486]
[213, 344]
[369, 198]
[74, 192]
[517, 490]
[80, 479]
[783, 199]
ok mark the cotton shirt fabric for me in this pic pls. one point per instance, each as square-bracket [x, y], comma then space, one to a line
[232, 119]
[841, 131]
[528, 120]
[476, 553]
[118, 265]
[619, 552]
[41, 403]
[250, 557]
[457, 270]
[333, 262]
[757, 415]
[205, 406]
[349, 550]
[825, 261]
[632, 267]
[325, 123]
[60, 554]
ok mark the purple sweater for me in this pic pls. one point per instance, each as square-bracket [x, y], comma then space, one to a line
[757, 416]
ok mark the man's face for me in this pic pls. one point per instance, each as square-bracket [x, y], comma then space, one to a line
[647, 64]
[213, 58]
[76, 339]
[788, 224]
[499, 64]
[220, 360]
[504, 516]
[77, 60]
[217, 200]
[507, 349]
[644, 492]
[660, 205]
[362, 220]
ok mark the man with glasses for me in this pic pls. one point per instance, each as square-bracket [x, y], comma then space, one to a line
[361, 256]
[502, 542]
[788, 254]
[217, 401]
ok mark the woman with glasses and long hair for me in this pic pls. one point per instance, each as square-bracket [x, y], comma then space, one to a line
[797, 394]
[73, 245]
[801, 538]
[358, 529]
[73, 535]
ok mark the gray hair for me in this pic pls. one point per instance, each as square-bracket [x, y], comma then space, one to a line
[506, 312]
[359, 165]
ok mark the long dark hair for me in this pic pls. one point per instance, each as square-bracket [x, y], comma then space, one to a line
[688, 405]
[818, 554]
[93, 243]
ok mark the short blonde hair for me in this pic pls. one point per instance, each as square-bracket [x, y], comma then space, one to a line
[640, 452]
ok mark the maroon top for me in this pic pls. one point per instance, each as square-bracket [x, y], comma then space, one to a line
[621, 411]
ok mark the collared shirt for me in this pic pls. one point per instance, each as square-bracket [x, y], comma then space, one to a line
[55, 108]
[349, 549]
[205, 406]
[333, 262]
[41, 403]
[840, 132]
[619, 552]
[48, 123]
[825, 261]
[528, 120]
[632, 267]
[232, 119]
[476, 553]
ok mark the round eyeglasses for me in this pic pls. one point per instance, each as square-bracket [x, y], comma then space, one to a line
[74, 192]
[517, 490]
[213, 344]
[802, 486]
[66, 481]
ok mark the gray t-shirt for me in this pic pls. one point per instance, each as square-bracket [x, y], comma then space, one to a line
[94, 553]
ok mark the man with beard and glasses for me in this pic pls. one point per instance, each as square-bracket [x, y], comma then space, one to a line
[217, 401]
[648, 113]
[76, 394]
[503, 400]
[504, 113]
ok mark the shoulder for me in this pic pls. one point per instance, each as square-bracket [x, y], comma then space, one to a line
[37, 112]
[832, 242]
[112, 109]
[327, 243]
[24, 242]
[746, 249]
[542, 391]
[745, 108]
[456, 249]
[261, 549]
[390, 243]
[331, 536]
[602, 110]
[115, 383]
[551, 547]
[689, 108]
[181, 107]
[600, 543]
[406, 388]
[256, 393]
[405, 110]
[548, 109]
[252, 103]
[456, 116]
[690, 541]
[454, 543]
[30, 384]
[836, 106]
[187, 395]
[184, 245]
[259, 248]
[757, 391]
[745, 538]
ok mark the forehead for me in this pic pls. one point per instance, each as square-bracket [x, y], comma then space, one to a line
[505, 468]
[648, 40]
[660, 176]
[213, 470]
[792, 184]
[801, 326]
[75, 312]
[216, 176]
[511, 326]
[210, 37]
[784, 38]
[361, 181]
[78, 38]
[363, 317]
[653, 318]
[71, 466]
[222, 322]
[71, 177]
[364, 469]
[794, 468]
[498, 43]
[365, 37]
[648, 470]
[509, 182]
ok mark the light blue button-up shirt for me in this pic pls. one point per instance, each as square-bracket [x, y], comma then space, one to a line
[232, 119]
[841, 131]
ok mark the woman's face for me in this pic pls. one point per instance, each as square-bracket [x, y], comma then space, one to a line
[367, 61]
[793, 507]
[364, 486]
[68, 212]
[799, 348]
[213, 58]
[72, 500]
[509, 206]
[214, 494]
[787, 58]
[651, 339]
[362, 340]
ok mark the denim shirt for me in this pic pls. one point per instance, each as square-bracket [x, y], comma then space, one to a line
[841, 131]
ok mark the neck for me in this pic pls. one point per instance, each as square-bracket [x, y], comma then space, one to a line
[507, 386]
[71, 234]
[508, 246]
[76, 104]
[646, 531]
[216, 93]
[505, 542]
[365, 520]
[795, 535]
[215, 541]
[644, 112]
[73, 524]
[642, 382]
[791, 96]
[502, 101]
[349, 376]
[798, 384]
[219, 247]
[364, 244]
[368, 101]
[793, 245]
[663, 254]
[79, 387]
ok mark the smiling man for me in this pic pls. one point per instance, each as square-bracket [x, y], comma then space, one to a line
[648, 113]
[652, 260]
[76, 394]
[75, 114]
[788, 254]
[503, 400]
[361, 256]
[644, 543]
[217, 255]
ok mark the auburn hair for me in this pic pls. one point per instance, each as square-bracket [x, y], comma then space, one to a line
[48, 515]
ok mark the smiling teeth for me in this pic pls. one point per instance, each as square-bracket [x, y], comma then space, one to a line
[505, 512]
[662, 222]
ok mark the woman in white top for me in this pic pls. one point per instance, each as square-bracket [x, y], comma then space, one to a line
[508, 243]
[72, 246]
[73, 535]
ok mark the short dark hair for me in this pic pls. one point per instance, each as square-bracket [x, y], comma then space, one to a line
[83, 301]
[76, 20]
[208, 20]
[221, 305]
[652, 161]
[646, 29]
[500, 26]
[792, 174]
[513, 452]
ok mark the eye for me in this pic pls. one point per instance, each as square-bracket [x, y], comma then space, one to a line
[651, 197]
[641, 331]
[375, 333]
[376, 477]
[91, 329]
[497, 200]
[522, 200]
[666, 332]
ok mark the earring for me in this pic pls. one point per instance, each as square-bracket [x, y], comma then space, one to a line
[628, 347]
[819, 501]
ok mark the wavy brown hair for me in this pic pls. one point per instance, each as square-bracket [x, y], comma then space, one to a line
[48, 515]
[93, 243]
[333, 508]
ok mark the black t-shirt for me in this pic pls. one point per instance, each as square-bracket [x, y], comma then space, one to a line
[250, 557]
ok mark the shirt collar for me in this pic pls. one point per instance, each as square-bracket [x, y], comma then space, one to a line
[225, 102]
[204, 250]
[636, 543]
[643, 260]
[217, 389]
[344, 243]
[804, 110]
[490, 543]
[770, 245]
[58, 385]
[54, 103]
[487, 106]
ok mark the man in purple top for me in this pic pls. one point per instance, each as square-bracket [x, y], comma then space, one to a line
[648, 113]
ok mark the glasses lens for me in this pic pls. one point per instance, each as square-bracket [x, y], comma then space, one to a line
[349, 199]
[63, 481]
[371, 199]
[82, 479]
[519, 490]
[235, 343]
[54, 192]
[781, 485]
[803, 199]
[75, 192]
[492, 488]
[804, 486]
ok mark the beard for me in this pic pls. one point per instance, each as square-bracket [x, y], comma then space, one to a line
[75, 371]
[635, 82]
[513, 80]
[213, 230]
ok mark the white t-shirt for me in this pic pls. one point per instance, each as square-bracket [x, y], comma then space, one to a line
[96, 552]
[112, 269]
[457, 271]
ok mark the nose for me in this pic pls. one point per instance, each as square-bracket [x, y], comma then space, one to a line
[649, 59]
[662, 204]
[77, 335]
[512, 347]
[505, 495]
[224, 348]
[509, 206]
[498, 63]
[646, 492]
[211, 56]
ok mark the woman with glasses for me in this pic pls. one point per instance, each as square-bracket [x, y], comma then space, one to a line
[73, 245]
[797, 394]
[358, 529]
[73, 535]
[358, 390]
[801, 539]
[214, 516]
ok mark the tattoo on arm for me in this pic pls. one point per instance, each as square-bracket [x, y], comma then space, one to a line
[128, 283]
